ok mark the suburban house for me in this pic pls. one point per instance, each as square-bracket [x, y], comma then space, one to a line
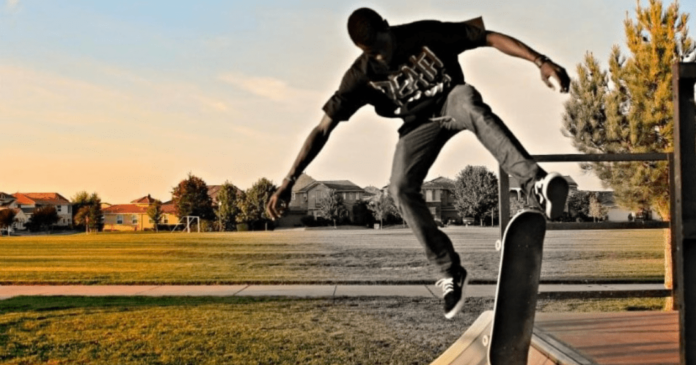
[8, 201]
[307, 192]
[297, 208]
[439, 197]
[314, 192]
[133, 216]
[29, 202]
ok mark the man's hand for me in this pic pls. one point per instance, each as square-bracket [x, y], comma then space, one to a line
[549, 70]
[279, 200]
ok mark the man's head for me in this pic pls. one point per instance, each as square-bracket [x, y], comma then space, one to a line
[370, 32]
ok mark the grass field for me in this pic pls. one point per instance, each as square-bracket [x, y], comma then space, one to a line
[325, 256]
[137, 330]
[241, 330]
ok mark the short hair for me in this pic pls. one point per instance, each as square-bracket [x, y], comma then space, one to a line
[363, 26]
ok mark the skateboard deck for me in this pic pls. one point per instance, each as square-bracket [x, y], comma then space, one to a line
[518, 286]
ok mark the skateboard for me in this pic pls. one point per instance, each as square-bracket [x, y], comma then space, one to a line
[518, 285]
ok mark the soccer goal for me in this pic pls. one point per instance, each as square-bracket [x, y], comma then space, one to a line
[185, 223]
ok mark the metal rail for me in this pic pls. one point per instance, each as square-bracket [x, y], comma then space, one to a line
[504, 189]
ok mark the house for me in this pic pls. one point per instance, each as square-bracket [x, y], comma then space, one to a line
[439, 197]
[314, 192]
[299, 200]
[307, 192]
[8, 201]
[298, 206]
[133, 216]
[617, 213]
[29, 202]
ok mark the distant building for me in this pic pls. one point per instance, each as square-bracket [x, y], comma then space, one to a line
[314, 192]
[29, 202]
[307, 192]
[439, 197]
[8, 201]
[133, 216]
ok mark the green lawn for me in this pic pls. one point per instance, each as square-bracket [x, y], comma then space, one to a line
[138, 330]
[310, 257]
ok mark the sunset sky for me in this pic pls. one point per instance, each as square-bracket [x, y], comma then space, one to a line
[125, 98]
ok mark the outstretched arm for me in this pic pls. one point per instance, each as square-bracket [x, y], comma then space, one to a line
[516, 48]
[315, 142]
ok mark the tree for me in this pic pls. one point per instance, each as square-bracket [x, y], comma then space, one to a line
[154, 211]
[87, 211]
[629, 109]
[332, 207]
[80, 200]
[190, 197]
[7, 218]
[596, 209]
[382, 205]
[44, 217]
[579, 204]
[227, 206]
[361, 213]
[254, 205]
[476, 192]
[244, 214]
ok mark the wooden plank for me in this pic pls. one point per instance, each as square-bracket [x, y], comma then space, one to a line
[556, 350]
[469, 348]
[565, 226]
[616, 338]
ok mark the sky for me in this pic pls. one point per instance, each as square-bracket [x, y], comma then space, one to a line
[126, 98]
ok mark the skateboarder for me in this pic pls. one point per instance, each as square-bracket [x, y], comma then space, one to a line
[412, 72]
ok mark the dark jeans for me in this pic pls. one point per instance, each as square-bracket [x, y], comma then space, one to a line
[417, 150]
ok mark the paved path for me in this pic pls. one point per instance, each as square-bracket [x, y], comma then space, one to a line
[323, 291]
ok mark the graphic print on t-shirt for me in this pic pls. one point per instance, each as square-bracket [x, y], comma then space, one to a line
[424, 77]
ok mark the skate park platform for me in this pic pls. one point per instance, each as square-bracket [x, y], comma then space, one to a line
[636, 338]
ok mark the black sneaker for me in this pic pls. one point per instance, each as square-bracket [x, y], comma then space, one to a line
[550, 194]
[454, 290]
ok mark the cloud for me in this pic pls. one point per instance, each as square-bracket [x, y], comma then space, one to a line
[268, 87]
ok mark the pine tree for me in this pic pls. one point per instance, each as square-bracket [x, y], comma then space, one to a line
[629, 110]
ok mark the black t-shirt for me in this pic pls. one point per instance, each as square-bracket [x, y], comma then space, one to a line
[423, 69]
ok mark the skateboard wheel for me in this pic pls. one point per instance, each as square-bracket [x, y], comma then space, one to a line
[484, 340]
[498, 245]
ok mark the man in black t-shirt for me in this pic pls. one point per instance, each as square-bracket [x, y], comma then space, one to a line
[412, 72]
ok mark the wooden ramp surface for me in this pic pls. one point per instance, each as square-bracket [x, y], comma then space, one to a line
[635, 338]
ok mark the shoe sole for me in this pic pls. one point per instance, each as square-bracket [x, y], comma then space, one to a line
[555, 192]
[460, 304]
